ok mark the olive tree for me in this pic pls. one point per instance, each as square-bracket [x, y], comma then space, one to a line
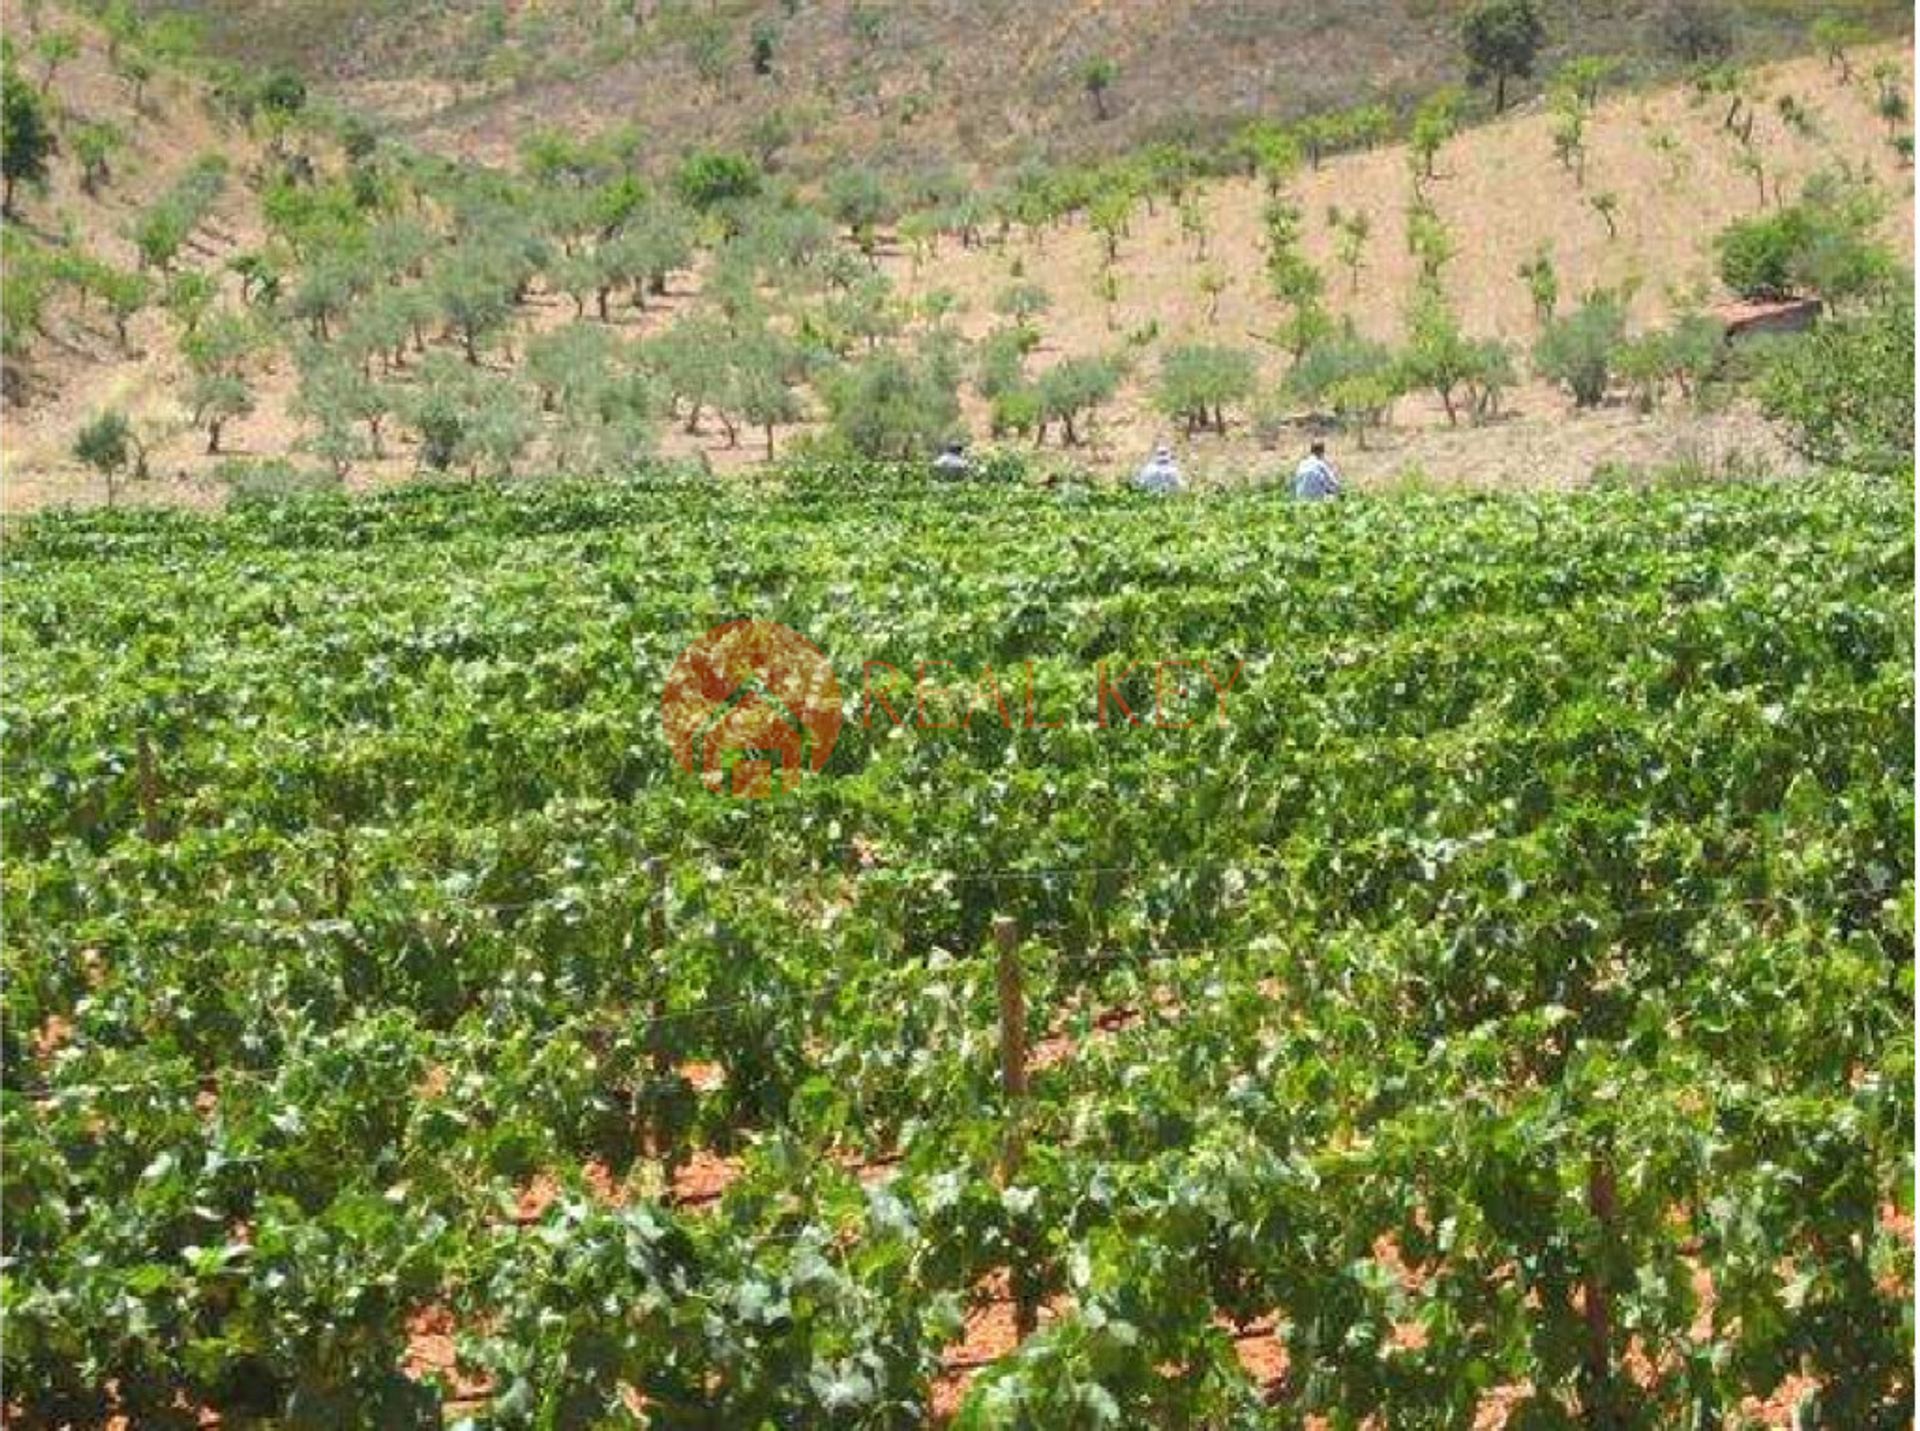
[1462, 372]
[1070, 392]
[1353, 378]
[108, 444]
[219, 353]
[1579, 350]
[893, 404]
[468, 416]
[764, 375]
[474, 297]
[1200, 381]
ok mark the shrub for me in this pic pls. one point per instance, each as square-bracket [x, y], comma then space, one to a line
[893, 405]
[1021, 301]
[1578, 351]
[1822, 245]
[859, 199]
[250, 480]
[711, 178]
[1439, 356]
[468, 416]
[1354, 378]
[1843, 394]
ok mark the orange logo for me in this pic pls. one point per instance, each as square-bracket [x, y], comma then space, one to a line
[751, 706]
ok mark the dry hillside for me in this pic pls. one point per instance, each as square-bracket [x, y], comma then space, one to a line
[909, 82]
[1672, 169]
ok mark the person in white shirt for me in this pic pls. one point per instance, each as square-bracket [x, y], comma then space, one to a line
[1161, 475]
[952, 464]
[1314, 480]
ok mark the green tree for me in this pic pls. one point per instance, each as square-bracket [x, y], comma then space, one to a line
[1022, 302]
[474, 297]
[708, 180]
[861, 200]
[1354, 378]
[125, 293]
[1199, 382]
[1502, 38]
[1439, 356]
[1823, 245]
[1683, 356]
[1429, 241]
[1694, 31]
[1435, 122]
[215, 399]
[1568, 126]
[1578, 351]
[1843, 394]
[108, 445]
[1543, 285]
[55, 48]
[336, 397]
[763, 386]
[1835, 35]
[94, 145]
[326, 288]
[760, 47]
[1583, 77]
[1098, 76]
[893, 405]
[1607, 205]
[283, 93]
[26, 137]
[135, 71]
[1350, 234]
[1212, 283]
[1890, 102]
[568, 364]
[467, 416]
[1071, 391]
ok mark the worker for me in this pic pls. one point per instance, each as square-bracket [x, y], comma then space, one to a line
[1314, 480]
[953, 464]
[1161, 475]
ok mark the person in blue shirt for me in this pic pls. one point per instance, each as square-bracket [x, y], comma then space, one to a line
[1314, 480]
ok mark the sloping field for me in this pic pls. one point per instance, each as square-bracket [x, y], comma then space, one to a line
[1509, 900]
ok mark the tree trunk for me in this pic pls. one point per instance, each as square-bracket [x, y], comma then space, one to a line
[769, 427]
[213, 437]
[1500, 92]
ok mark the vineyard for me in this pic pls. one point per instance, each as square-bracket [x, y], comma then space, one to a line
[1490, 1005]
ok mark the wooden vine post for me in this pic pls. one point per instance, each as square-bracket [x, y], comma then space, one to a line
[147, 780]
[659, 1056]
[1013, 1084]
[1598, 1391]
